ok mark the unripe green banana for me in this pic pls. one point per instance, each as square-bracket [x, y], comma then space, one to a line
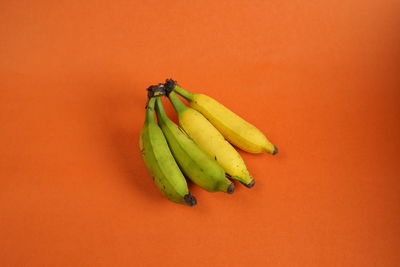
[159, 160]
[194, 163]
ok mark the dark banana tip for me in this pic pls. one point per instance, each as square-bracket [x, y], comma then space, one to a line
[275, 150]
[230, 188]
[169, 86]
[251, 184]
[190, 200]
[155, 90]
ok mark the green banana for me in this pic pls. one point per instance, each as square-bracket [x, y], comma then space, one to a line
[159, 160]
[194, 163]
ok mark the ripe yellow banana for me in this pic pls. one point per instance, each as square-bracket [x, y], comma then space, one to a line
[194, 162]
[236, 130]
[159, 160]
[207, 137]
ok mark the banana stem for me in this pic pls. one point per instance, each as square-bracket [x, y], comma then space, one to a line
[160, 111]
[150, 110]
[186, 94]
[177, 103]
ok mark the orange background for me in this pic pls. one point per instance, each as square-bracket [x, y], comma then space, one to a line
[321, 78]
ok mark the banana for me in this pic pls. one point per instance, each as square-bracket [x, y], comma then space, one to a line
[159, 160]
[235, 129]
[207, 137]
[194, 163]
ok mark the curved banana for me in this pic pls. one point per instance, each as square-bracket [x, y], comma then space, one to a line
[234, 128]
[194, 163]
[160, 162]
[211, 141]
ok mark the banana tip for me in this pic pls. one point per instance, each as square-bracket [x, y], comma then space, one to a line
[251, 184]
[275, 150]
[190, 200]
[230, 188]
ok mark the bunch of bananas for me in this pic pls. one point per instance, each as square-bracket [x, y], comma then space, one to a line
[201, 148]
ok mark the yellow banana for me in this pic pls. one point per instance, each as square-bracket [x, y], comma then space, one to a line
[194, 162]
[235, 129]
[207, 137]
[159, 160]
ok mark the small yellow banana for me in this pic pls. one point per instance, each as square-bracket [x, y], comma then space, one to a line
[207, 137]
[235, 129]
[159, 161]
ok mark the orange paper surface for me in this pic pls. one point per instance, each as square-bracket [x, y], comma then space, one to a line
[320, 78]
